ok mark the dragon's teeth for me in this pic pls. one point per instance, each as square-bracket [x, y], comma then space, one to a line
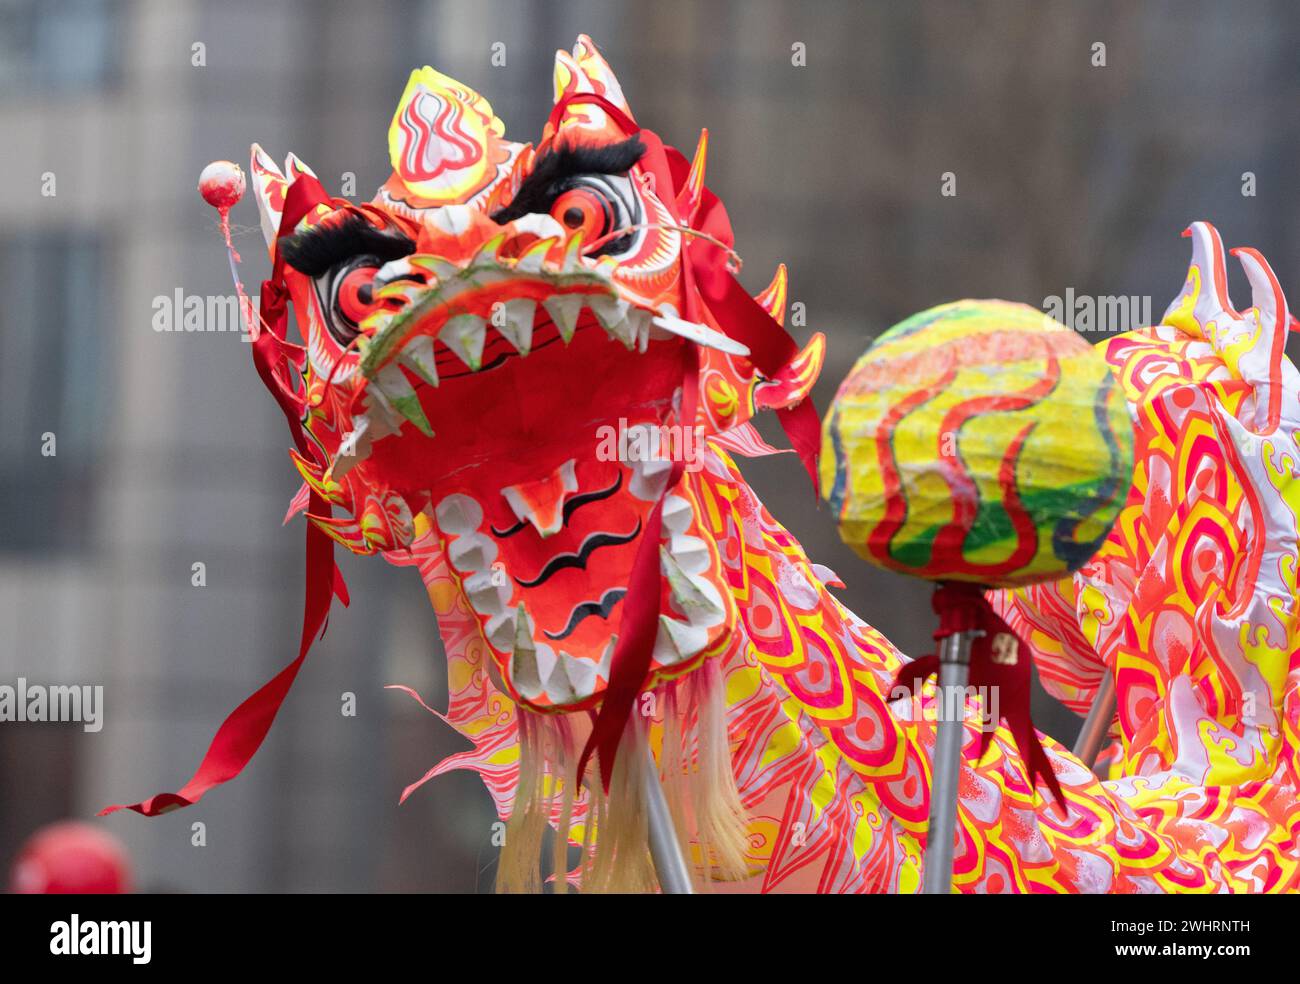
[611, 312]
[638, 320]
[558, 686]
[464, 335]
[400, 394]
[677, 641]
[500, 630]
[472, 552]
[418, 357]
[688, 596]
[700, 334]
[525, 672]
[690, 552]
[530, 261]
[488, 591]
[581, 674]
[488, 251]
[514, 319]
[564, 310]
[573, 252]
[435, 266]
[607, 657]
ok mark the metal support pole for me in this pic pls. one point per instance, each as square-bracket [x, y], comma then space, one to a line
[1096, 726]
[665, 851]
[945, 768]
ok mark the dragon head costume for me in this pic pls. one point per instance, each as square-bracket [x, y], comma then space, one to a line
[523, 371]
[512, 341]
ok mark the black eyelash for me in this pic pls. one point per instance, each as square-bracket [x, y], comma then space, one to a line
[552, 169]
[318, 250]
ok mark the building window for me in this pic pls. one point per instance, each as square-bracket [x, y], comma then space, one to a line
[53, 46]
[53, 321]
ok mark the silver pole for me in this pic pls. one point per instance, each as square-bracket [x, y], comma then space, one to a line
[665, 851]
[1096, 726]
[954, 672]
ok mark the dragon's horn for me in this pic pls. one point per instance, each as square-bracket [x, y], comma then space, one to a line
[585, 71]
[693, 192]
[1204, 297]
[772, 297]
[598, 73]
[269, 187]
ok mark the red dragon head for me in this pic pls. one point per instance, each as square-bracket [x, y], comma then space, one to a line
[510, 346]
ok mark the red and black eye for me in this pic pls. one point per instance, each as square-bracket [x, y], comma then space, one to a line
[598, 205]
[349, 296]
[354, 299]
[585, 208]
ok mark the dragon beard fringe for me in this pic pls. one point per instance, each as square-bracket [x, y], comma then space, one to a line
[694, 768]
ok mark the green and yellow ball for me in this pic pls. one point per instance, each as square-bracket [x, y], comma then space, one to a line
[978, 441]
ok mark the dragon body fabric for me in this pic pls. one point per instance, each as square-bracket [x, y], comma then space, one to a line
[525, 371]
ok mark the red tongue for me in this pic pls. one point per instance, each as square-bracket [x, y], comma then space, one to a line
[541, 502]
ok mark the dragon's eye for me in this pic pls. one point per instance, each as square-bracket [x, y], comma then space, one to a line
[347, 296]
[354, 300]
[586, 208]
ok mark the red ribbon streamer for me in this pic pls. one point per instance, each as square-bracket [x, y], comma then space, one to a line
[962, 607]
[740, 317]
[244, 730]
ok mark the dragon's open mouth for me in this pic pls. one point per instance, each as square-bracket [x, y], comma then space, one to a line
[526, 400]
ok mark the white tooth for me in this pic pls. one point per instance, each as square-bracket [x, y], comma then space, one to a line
[487, 253]
[639, 320]
[472, 552]
[400, 395]
[458, 514]
[690, 552]
[464, 335]
[677, 514]
[626, 332]
[688, 594]
[558, 686]
[573, 253]
[607, 658]
[530, 261]
[581, 674]
[677, 641]
[714, 611]
[439, 268]
[525, 664]
[701, 334]
[524, 674]
[515, 321]
[500, 630]
[611, 312]
[384, 420]
[488, 591]
[418, 357]
[649, 478]
[546, 658]
[564, 310]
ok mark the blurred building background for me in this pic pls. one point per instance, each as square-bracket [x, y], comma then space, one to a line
[169, 453]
